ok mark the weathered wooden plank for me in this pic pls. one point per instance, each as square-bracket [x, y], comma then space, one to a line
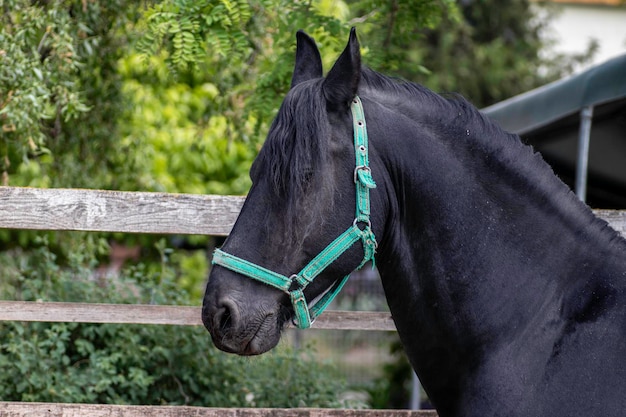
[99, 313]
[354, 320]
[140, 212]
[13, 409]
[164, 314]
[117, 211]
[615, 218]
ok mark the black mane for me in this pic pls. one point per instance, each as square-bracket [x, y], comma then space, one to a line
[409, 95]
[458, 118]
[297, 148]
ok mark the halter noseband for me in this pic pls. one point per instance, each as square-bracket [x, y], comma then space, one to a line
[295, 284]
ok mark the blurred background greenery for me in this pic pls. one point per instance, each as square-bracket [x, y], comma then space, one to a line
[177, 96]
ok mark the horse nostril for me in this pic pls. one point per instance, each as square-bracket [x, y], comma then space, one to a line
[224, 319]
[226, 315]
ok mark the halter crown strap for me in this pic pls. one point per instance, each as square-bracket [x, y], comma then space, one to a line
[294, 285]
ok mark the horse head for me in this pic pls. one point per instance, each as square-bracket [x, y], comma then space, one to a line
[301, 203]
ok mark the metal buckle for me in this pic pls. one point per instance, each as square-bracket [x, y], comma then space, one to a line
[358, 168]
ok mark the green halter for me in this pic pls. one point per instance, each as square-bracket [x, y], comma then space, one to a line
[294, 285]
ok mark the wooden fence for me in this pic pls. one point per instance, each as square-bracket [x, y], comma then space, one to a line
[140, 212]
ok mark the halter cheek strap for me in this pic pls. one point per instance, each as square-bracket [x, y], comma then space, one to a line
[360, 229]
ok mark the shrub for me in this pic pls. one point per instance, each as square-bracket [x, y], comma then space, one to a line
[136, 364]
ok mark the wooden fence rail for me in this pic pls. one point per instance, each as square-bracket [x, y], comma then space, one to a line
[12, 409]
[163, 314]
[157, 213]
[117, 211]
[140, 212]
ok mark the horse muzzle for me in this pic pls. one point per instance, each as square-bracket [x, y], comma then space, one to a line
[252, 330]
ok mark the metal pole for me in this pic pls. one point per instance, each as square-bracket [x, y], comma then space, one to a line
[582, 163]
[415, 393]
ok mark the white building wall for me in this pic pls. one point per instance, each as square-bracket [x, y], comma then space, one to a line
[575, 25]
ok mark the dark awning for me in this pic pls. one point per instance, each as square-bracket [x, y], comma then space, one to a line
[549, 119]
[544, 105]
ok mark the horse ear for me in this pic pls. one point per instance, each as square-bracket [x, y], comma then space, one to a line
[308, 60]
[342, 82]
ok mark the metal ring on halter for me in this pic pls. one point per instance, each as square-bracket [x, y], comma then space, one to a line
[367, 222]
[295, 284]
[358, 168]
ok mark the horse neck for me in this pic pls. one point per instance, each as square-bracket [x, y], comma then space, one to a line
[483, 238]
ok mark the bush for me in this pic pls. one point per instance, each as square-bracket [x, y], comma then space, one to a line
[136, 364]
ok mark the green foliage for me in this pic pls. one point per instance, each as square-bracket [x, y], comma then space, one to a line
[39, 68]
[174, 138]
[194, 268]
[56, 60]
[190, 29]
[135, 364]
[392, 31]
[485, 50]
[393, 388]
[245, 49]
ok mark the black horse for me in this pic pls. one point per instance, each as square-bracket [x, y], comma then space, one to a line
[507, 292]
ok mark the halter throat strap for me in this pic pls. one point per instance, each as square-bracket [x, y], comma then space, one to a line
[360, 229]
